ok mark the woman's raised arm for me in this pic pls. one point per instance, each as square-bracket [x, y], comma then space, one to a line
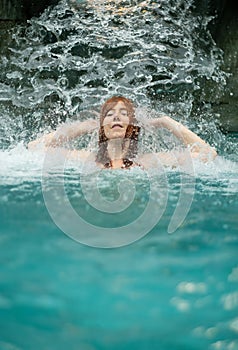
[64, 134]
[198, 147]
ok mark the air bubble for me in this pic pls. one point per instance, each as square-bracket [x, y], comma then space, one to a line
[189, 79]
[168, 85]
[63, 82]
[175, 42]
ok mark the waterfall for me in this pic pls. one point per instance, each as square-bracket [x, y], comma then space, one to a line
[78, 53]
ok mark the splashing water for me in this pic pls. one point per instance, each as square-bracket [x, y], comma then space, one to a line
[78, 54]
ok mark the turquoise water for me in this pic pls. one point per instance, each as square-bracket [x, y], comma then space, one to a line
[164, 291]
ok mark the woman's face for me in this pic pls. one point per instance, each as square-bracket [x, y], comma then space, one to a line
[116, 121]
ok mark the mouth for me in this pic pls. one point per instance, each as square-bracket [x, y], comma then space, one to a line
[117, 126]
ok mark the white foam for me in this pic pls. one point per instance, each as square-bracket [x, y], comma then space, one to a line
[19, 164]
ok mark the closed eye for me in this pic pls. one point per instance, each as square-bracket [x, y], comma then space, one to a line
[109, 114]
[124, 112]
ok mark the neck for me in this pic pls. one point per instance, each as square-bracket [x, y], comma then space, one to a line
[116, 150]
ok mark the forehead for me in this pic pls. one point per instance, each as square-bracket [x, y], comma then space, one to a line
[119, 104]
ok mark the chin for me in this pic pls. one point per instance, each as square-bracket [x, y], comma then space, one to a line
[116, 135]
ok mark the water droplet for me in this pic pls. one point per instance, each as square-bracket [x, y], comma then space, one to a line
[63, 82]
[189, 79]
[168, 85]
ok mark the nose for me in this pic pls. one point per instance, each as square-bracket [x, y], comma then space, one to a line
[116, 116]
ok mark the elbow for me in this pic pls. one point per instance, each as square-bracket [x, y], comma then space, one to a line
[210, 152]
[206, 154]
[209, 155]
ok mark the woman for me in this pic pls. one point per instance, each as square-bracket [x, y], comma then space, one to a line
[118, 138]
